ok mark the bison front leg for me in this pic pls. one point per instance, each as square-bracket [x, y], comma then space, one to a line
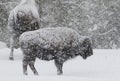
[59, 66]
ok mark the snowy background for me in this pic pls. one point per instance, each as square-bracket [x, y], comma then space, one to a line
[104, 65]
[99, 19]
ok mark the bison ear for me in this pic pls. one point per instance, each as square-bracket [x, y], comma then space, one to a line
[88, 51]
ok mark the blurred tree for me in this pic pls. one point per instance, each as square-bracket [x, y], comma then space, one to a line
[5, 7]
[99, 19]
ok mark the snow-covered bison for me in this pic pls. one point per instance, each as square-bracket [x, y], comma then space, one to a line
[58, 44]
[23, 17]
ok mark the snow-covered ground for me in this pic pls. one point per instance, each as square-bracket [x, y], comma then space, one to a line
[104, 65]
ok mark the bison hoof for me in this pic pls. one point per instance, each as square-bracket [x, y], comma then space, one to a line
[59, 73]
[25, 73]
[11, 58]
[36, 74]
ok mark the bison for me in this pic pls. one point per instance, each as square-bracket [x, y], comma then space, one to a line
[59, 44]
[22, 18]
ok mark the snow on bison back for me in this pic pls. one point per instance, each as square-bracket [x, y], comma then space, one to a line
[58, 44]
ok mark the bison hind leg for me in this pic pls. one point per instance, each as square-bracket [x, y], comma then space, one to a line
[12, 39]
[31, 64]
[25, 64]
[29, 60]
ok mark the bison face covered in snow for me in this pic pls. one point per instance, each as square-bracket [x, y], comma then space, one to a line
[22, 18]
[58, 44]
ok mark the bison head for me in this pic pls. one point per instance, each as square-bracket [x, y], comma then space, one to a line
[86, 48]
